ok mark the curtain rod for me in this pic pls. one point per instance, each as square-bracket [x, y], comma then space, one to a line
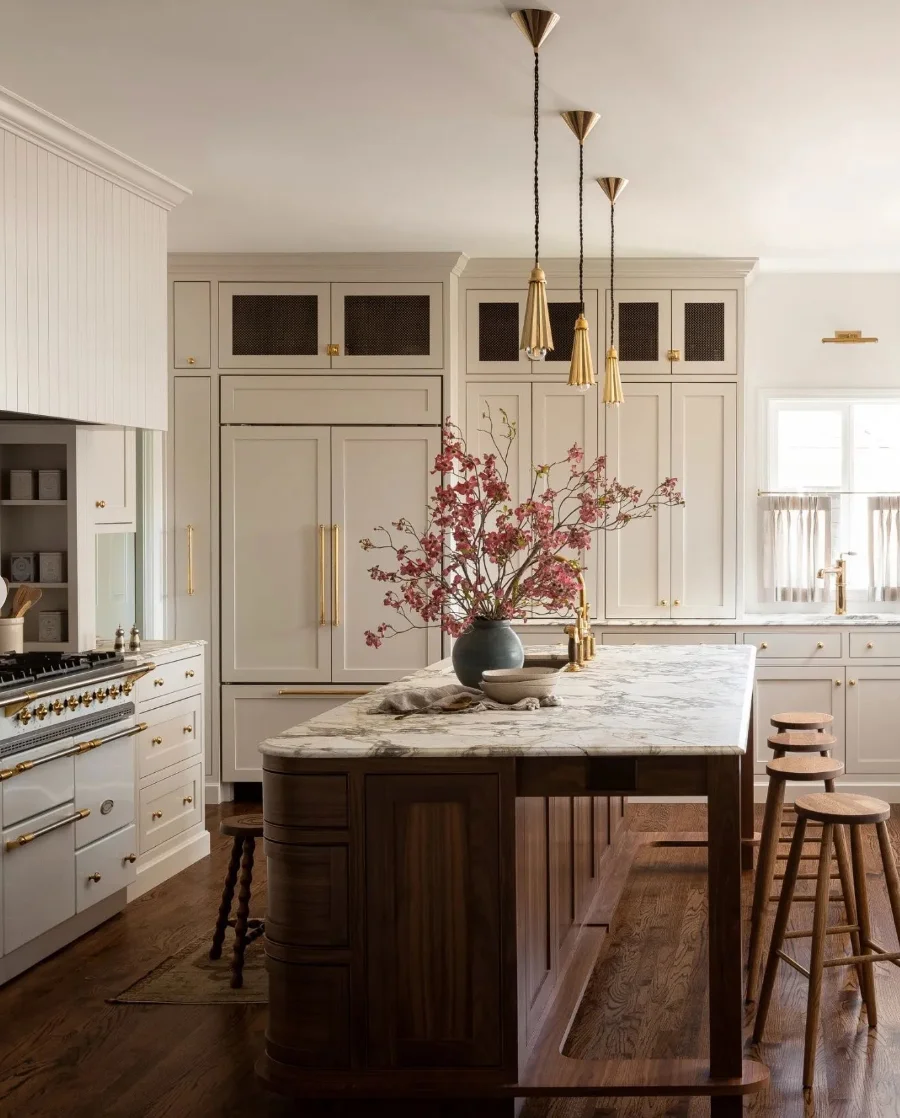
[825, 493]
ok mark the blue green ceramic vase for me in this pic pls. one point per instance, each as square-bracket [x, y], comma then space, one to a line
[486, 645]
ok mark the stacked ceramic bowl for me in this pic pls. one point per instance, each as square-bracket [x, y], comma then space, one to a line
[509, 685]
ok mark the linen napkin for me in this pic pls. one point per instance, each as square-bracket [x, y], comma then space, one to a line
[452, 698]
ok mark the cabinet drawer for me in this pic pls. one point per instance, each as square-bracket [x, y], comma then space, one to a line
[166, 679]
[307, 895]
[633, 636]
[41, 788]
[174, 734]
[104, 867]
[875, 646]
[104, 784]
[170, 806]
[38, 888]
[330, 400]
[315, 800]
[318, 1034]
[796, 646]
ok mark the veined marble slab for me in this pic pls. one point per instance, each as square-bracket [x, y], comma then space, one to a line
[749, 621]
[633, 700]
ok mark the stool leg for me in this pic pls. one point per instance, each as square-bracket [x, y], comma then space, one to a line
[781, 922]
[843, 861]
[817, 956]
[890, 873]
[242, 914]
[765, 876]
[865, 927]
[227, 896]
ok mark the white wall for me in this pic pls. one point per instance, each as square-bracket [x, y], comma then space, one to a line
[787, 315]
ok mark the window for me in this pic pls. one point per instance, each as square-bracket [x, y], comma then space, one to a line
[849, 448]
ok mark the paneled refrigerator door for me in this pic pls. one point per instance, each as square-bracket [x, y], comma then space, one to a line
[274, 325]
[638, 451]
[276, 580]
[387, 325]
[378, 475]
[704, 529]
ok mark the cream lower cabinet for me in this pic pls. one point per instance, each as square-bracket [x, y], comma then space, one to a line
[780, 689]
[680, 562]
[107, 465]
[873, 720]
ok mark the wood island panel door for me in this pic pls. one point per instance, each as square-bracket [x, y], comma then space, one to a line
[433, 918]
[276, 581]
[378, 475]
[704, 529]
[638, 556]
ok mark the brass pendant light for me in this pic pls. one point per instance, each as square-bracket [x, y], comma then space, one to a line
[612, 187]
[537, 337]
[581, 370]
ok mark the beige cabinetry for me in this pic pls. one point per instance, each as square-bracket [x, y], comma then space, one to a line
[107, 468]
[797, 688]
[678, 332]
[191, 324]
[873, 720]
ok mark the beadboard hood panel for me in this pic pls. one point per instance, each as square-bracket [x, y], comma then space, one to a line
[83, 299]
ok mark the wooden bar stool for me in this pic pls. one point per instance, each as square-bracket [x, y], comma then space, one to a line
[833, 811]
[802, 720]
[780, 771]
[245, 830]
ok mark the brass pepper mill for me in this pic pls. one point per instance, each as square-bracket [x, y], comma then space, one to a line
[119, 642]
[134, 643]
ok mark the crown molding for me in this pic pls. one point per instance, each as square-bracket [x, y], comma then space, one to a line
[22, 118]
[597, 268]
[350, 266]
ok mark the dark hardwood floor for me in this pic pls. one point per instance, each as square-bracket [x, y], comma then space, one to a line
[64, 1051]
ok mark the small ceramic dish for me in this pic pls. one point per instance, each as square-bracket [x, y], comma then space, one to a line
[509, 685]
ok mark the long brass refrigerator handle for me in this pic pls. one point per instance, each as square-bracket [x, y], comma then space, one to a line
[321, 574]
[335, 580]
[190, 558]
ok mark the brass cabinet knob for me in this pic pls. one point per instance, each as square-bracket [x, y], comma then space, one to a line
[189, 674]
[188, 799]
[871, 644]
[130, 858]
[676, 602]
[663, 602]
[156, 741]
[94, 876]
[156, 815]
[187, 729]
[673, 355]
[837, 683]
[100, 504]
[765, 644]
[852, 682]
[192, 360]
[333, 349]
[158, 682]
[820, 644]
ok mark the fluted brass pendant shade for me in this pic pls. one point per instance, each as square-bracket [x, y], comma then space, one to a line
[537, 337]
[612, 381]
[612, 186]
[581, 371]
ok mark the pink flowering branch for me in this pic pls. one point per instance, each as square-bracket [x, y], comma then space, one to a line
[480, 555]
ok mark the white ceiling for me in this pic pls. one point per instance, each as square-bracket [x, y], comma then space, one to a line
[767, 128]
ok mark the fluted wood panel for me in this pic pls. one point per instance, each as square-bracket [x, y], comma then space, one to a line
[82, 292]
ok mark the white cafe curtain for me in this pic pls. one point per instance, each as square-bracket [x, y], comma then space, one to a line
[797, 542]
[884, 549]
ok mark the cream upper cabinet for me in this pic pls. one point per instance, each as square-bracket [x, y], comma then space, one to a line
[638, 451]
[387, 326]
[643, 331]
[873, 720]
[191, 324]
[779, 689]
[274, 325]
[276, 578]
[704, 332]
[106, 477]
[704, 529]
[378, 475]
[485, 403]
[494, 330]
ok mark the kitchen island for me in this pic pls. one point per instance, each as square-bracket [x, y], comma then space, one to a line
[434, 882]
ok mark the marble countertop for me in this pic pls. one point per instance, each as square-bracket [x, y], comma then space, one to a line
[631, 700]
[748, 621]
[152, 650]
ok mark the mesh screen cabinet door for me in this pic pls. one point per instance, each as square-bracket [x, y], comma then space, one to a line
[704, 329]
[643, 331]
[274, 325]
[387, 325]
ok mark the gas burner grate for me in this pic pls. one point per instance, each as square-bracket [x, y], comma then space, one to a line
[18, 668]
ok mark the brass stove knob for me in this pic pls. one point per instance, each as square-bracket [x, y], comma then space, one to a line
[114, 692]
[127, 687]
[58, 707]
[101, 695]
[87, 698]
[72, 702]
[41, 712]
[24, 716]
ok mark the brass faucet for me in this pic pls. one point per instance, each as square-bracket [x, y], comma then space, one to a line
[582, 646]
[839, 570]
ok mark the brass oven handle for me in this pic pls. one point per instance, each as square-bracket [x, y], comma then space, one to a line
[321, 574]
[335, 579]
[322, 692]
[30, 836]
[70, 751]
[190, 558]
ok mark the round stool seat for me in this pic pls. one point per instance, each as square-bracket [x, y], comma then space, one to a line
[805, 768]
[242, 826]
[801, 720]
[802, 741]
[842, 807]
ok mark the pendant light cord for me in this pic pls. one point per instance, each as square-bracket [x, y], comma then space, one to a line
[537, 200]
[612, 273]
[581, 226]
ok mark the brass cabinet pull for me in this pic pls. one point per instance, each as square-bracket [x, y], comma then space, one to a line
[333, 349]
[190, 558]
[187, 729]
[852, 682]
[676, 602]
[335, 581]
[94, 876]
[189, 674]
[837, 683]
[321, 574]
[130, 858]
[158, 682]
[663, 601]
[322, 692]
[100, 504]
[871, 644]
[188, 800]
[192, 360]
[156, 815]
[30, 836]
[156, 741]
[764, 644]
[673, 355]
[820, 644]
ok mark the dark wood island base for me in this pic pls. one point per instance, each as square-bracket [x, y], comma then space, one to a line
[432, 923]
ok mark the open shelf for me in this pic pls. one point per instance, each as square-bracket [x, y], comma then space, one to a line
[34, 503]
[40, 585]
[46, 646]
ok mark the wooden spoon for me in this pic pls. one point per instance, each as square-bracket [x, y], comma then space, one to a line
[32, 594]
[18, 599]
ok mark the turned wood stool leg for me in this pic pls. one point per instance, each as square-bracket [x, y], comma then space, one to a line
[861, 890]
[242, 915]
[227, 896]
[765, 876]
[781, 922]
[817, 956]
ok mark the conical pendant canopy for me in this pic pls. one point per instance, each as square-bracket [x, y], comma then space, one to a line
[535, 24]
[612, 187]
[581, 371]
[581, 121]
[537, 337]
[612, 382]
